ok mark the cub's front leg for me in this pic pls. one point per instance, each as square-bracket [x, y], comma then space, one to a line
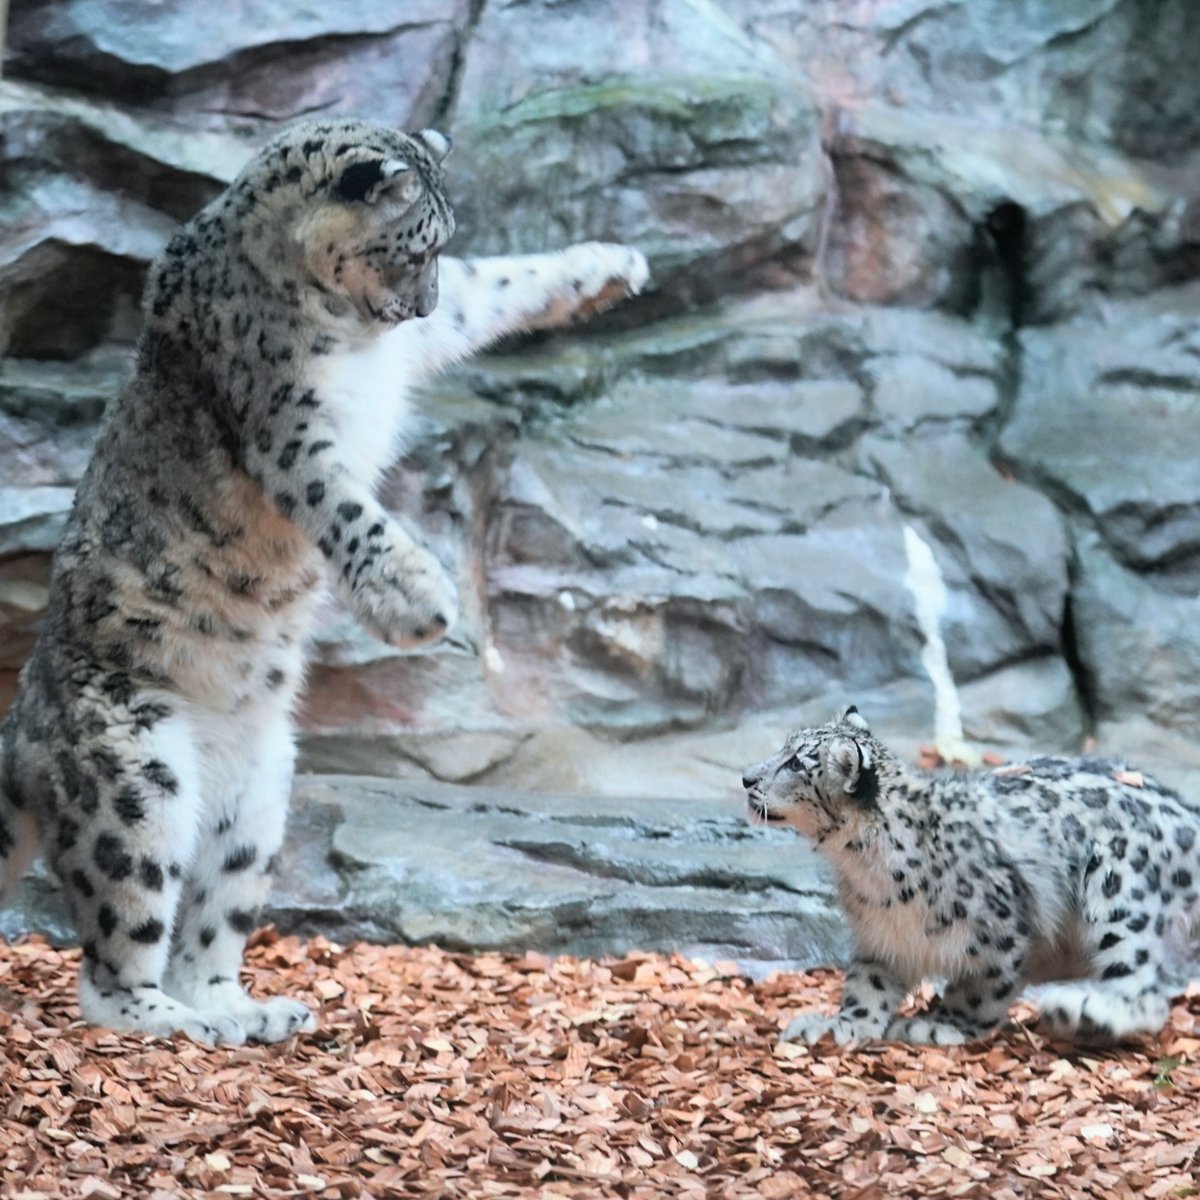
[483, 299]
[870, 996]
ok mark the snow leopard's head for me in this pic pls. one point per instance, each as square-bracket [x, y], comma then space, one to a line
[351, 215]
[823, 779]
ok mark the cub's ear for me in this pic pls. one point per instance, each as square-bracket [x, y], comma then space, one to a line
[366, 181]
[438, 144]
[852, 717]
[850, 768]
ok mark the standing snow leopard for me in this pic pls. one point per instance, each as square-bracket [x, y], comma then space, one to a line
[150, 748]
[1054, 869]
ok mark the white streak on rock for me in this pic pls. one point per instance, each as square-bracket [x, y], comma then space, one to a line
[924, 580]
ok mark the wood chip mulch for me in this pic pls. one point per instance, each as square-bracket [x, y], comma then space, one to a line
[437, 1074]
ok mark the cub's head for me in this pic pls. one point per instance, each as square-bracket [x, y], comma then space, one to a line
[348, 216]
[822, 781]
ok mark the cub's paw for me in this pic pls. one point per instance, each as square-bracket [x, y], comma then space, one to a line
[273, 1020]
[926, 1031]
[813, 1026]
[596, 275]
[211, 1029]
[406, 597]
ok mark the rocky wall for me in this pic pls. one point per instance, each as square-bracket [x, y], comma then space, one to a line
[915, 264]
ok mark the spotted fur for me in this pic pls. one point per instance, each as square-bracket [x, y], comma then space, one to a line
[150, 748]
[1068, 870]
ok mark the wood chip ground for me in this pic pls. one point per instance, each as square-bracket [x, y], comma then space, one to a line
[455, 1075]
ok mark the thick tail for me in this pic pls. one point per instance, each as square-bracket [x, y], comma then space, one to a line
[18, 828]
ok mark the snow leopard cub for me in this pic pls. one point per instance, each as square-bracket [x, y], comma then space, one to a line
[150, 747]
[1053, 869]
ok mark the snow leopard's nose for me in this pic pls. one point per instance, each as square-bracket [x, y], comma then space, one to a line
[755, 773]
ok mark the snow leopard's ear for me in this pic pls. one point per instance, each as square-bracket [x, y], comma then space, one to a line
[850, 767]
[438, 144]
[367, 180]
[852, 717]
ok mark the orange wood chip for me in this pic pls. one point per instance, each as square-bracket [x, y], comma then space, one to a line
[455, 1075]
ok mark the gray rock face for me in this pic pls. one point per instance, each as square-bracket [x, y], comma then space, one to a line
[916, 266]
[488, 868]
[498, 869]
[690, 140]
[177, 58]
[1108, 425]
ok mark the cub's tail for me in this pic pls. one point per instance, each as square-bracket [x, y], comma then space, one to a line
[18, 829]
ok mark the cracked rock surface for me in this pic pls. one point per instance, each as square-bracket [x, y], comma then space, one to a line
[490, 868]
[914, 266]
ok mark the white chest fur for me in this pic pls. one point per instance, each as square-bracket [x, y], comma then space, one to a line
[366, 392]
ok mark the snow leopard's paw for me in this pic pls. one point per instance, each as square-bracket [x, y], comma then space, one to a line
[927, 1031]
[811, 1027]
[405, 595]
[594, 276]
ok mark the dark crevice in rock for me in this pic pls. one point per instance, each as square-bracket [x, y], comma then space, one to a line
[434, 804]
[837, 440]
[38, 145]
[338, 924]
[889, 39]
[660, 458]
[1081, 670]
[1076, 33]
[447, 103]
[51, 294]
[1173, 571]
[1147, 377]
[654, 874]
[1006, 227]
[86, 70]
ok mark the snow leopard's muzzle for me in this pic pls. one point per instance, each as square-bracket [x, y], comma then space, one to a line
[758, 807]
[411, 292]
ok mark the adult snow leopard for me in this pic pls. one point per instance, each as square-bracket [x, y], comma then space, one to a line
[150, 747]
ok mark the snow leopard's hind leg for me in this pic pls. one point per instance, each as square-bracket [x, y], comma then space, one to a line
[241, 834]
[126, 800]
[1129, 992]
[18, 828]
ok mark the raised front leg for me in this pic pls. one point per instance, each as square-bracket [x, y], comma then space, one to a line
[398, 588]
[870, 995]
[485, 298]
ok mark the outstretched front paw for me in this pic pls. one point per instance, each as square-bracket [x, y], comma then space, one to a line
[596, 275]
[405, 596]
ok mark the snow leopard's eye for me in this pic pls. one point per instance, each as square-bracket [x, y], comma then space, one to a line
[357, 180]
[794, 764]
[368, 180]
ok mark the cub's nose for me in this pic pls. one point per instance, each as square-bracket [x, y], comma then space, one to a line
[748, 781]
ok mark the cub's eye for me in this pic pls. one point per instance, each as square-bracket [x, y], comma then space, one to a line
[794, 764]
